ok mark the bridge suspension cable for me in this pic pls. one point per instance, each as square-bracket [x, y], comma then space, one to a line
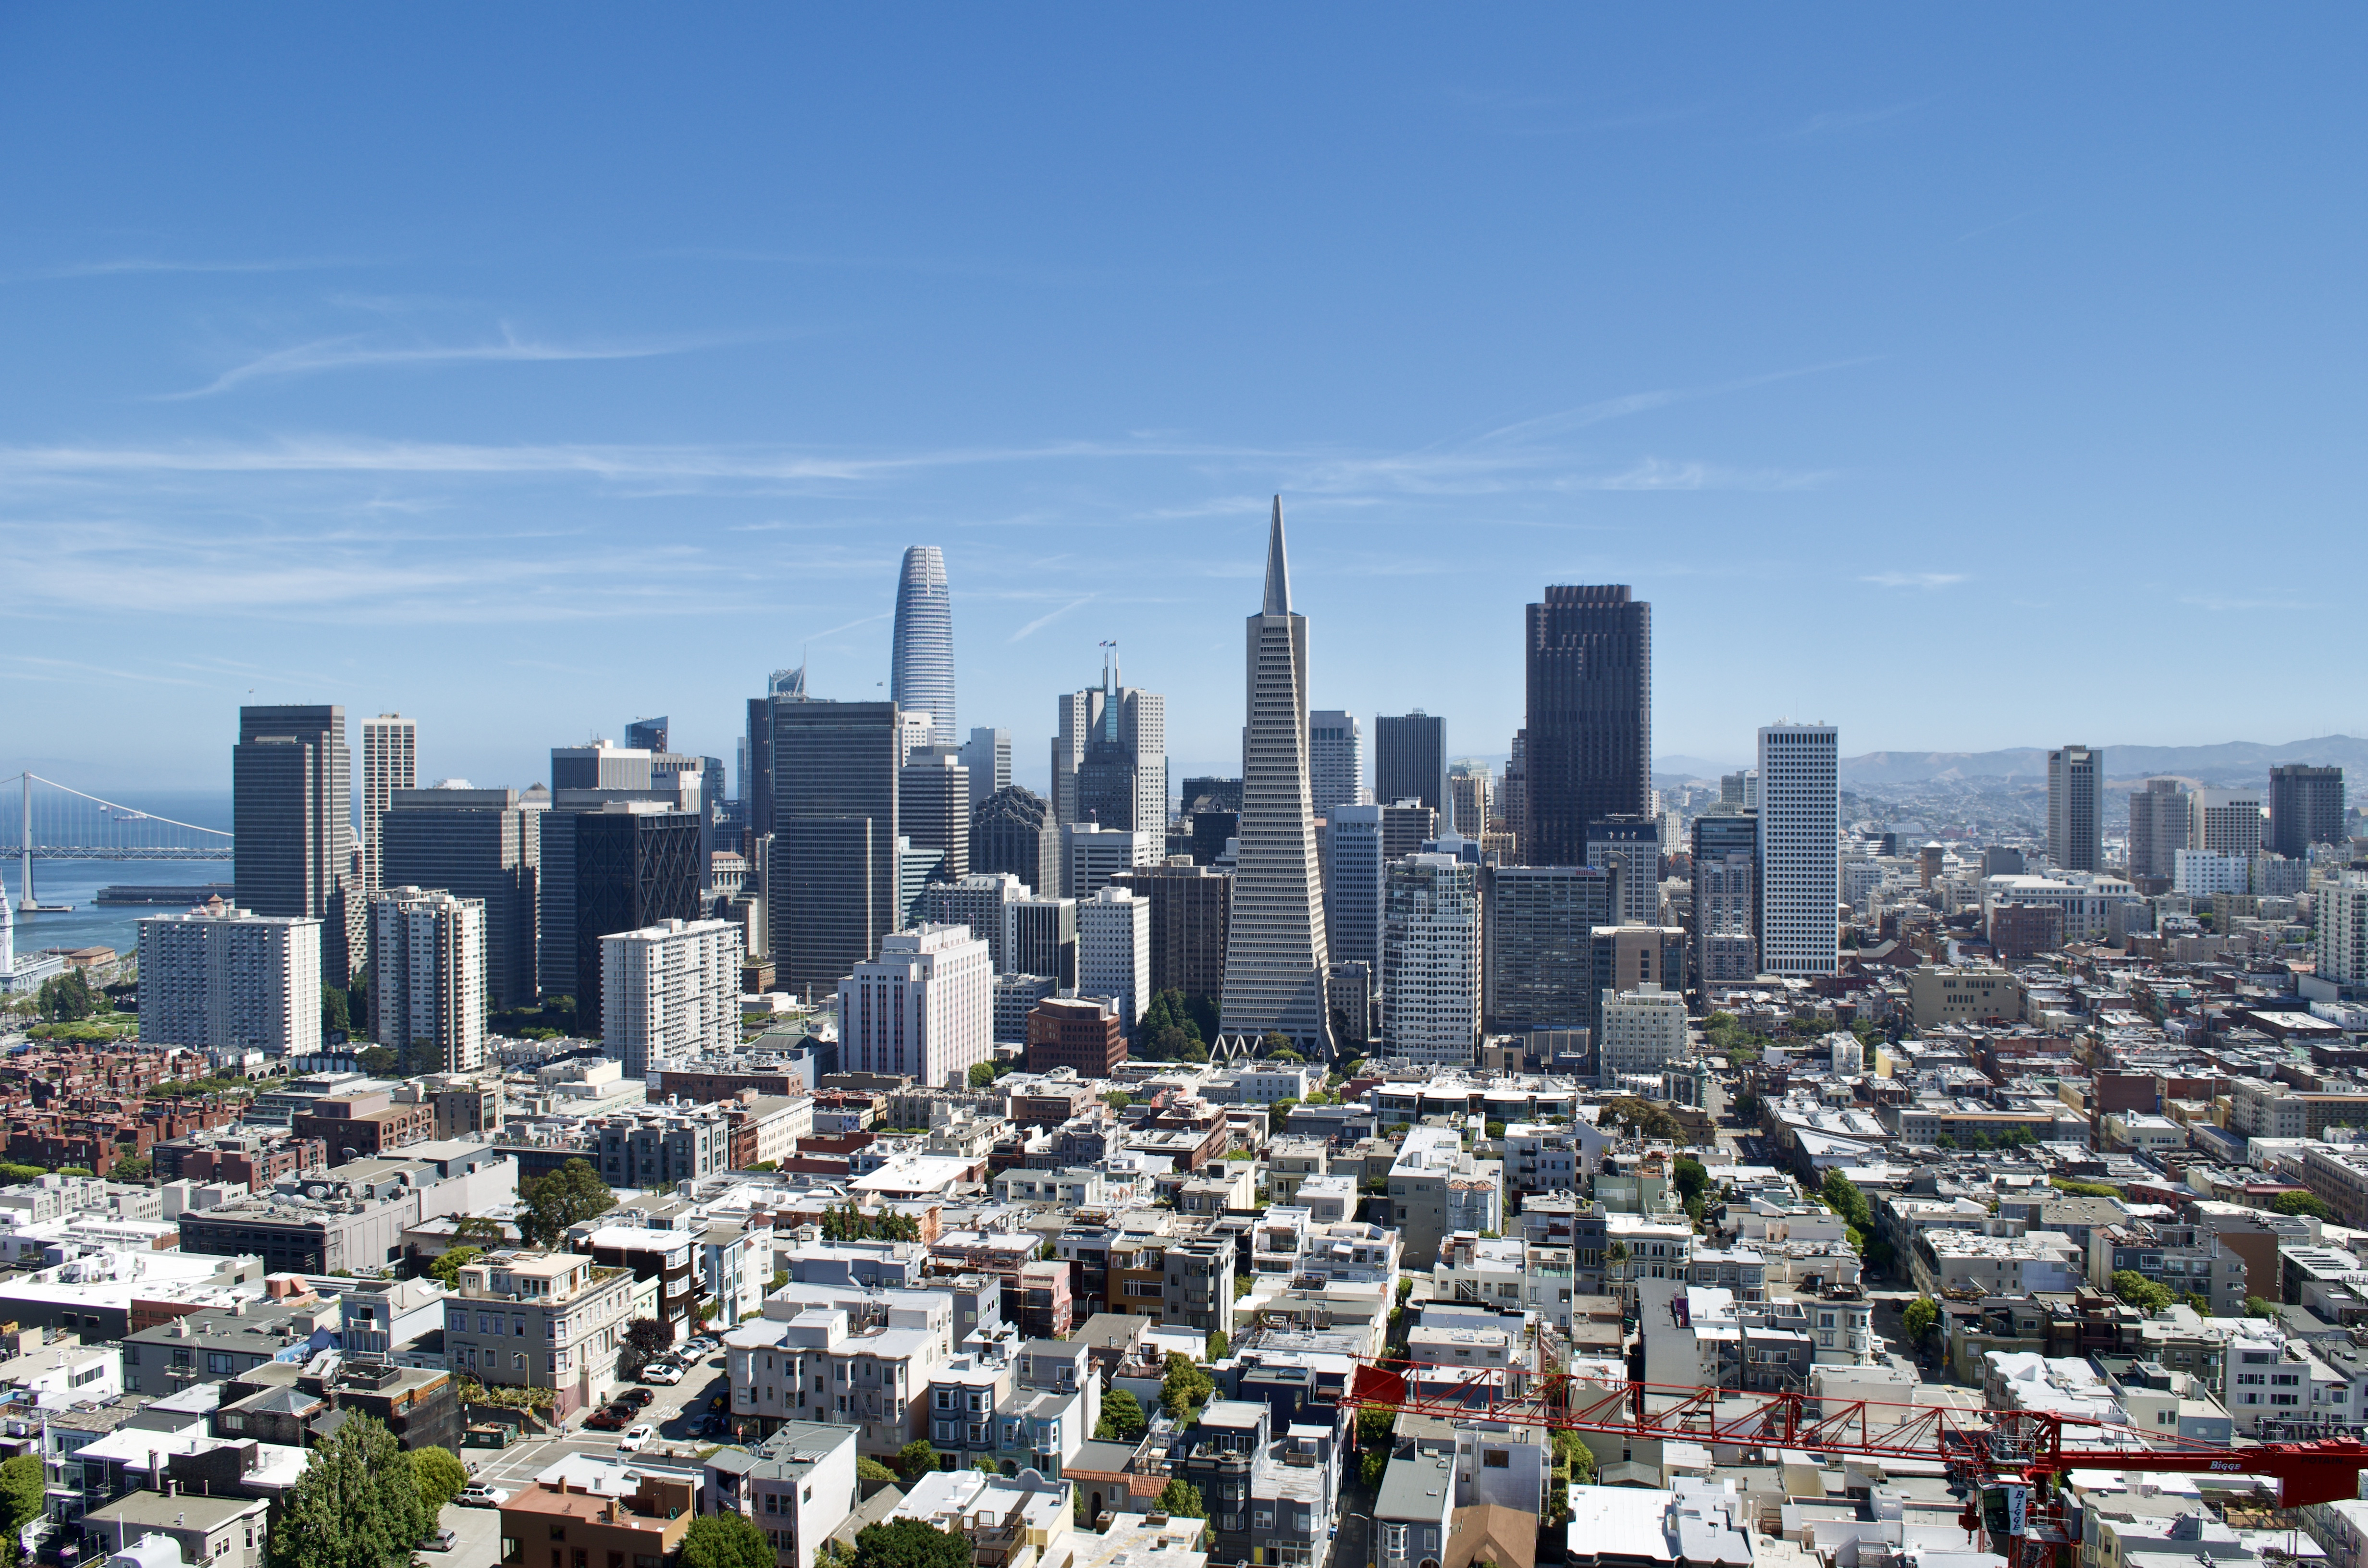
[58, 822]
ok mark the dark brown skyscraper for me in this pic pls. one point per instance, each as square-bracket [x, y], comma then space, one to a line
[1589, 737]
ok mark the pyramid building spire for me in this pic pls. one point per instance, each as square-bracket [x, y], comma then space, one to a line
[1277, 567]
[1275, 952]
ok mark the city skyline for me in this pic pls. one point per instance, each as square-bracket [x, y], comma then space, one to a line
[1796, 351]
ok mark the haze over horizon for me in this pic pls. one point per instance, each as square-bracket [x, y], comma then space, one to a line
[1908, 365]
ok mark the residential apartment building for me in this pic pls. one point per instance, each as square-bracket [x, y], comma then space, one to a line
[428, 978]
[823, 1365]
[1643, 1031]
[540, 1320]
[924, 1008]
[476, 844]
[1114, 952]
[670, 994]
[226, 981]
[1800, 856]
[1430, 960]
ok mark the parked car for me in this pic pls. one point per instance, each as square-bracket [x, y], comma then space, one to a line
[635, 1397]
[637, 1439]
[661, 1372]
[441, 1540]
[716, 1426]
[482, 1494]
[610, 1419]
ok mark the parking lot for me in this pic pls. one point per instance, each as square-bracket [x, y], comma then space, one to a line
[674, 1411]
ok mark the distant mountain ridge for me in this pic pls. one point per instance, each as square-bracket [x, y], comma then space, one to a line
[2230, 762]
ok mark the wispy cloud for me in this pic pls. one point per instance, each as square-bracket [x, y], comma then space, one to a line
[1914, 579]
[1834, 121]
[2222, 606]
[1047, 618]
[359, 352]
[123, 267]
[2002, 224]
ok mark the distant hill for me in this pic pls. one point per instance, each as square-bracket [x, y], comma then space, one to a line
[2231, 762]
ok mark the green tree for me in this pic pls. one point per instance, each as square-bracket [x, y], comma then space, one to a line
[356, 1505]
[910, 1543]
[569, 1195]
[137, 1168]
[2303, 1204]
[1185, 1388]
[1918, 1318]
[2083, 1188]
[1219, 1346]
[2140, 1291]
[1123, 1418]
[70, 998]
[440, 1474]
[1842, 1195]
[729, 1540]
[872, 1470]
[982, 1074]
[335, 1015]
[22, 1494]
[1179, 1499]
[1375, 1424]
[451, 1261]
[917, 1458]
[2259, 1306]
[646, 1340]
[480, 1228]
[1371, 1466]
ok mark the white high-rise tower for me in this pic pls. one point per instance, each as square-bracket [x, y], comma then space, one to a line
[1274, 948]
[1800, 850]
[390, 762]
[921, 666]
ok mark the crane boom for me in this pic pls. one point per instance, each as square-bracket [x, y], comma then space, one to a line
[1980, 1446]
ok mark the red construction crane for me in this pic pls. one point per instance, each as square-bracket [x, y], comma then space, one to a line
[2007, 1449]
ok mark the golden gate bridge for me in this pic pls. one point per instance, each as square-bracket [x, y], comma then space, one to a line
[58, 822]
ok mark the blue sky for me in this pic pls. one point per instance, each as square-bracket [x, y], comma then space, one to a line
[1968, 381]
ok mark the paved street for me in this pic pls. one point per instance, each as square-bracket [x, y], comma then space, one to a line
[675, 1412]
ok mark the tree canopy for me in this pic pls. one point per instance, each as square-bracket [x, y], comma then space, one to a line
[439, 1473]
[1180, 1499]
[1649, 1120]
[22, 1493]
[451, 1261]
[848, 1223]
[1123, 1418]
[729, 1540]
[917, 1458]
[910, 1543]
[569, 1195]
[1918, 1318]
[2140, 1291]
[1185, 1388]
[356, 1505]
[2303, 1204]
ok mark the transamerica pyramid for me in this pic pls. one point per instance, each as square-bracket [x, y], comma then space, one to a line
[1274, 947]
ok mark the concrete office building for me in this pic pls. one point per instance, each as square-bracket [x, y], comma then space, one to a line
[1276, 954]
[1625, 957]
[978, 902]
[834, 875]
[479, 844]
[2343, 909]
[1589, 721]
[1012, 832]
[2306, 808]
[2158, 827]
[924, 1008]
[1642, 1030]
[1335, 759]
[987, 755]
[1538, 924]
[2076, 777]
[1109, 754]
[637, 864]
[1092, 854]
[428, 978]
[390, 762]
[670, 993]
[1410, 760]
[2225, 822]
[921, 660]
[292, 818]
[1799, 852]
[1628, 851]
[1726, 913]
[1471, 792]
[1114, 952]
[1406, 825]
[1015, 996]
[1430, 960]
[599, 765]
[1039, 937]
[933, 808]
[1192, 910]
[1354, 872]
[226, 981]
[2199, 873]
